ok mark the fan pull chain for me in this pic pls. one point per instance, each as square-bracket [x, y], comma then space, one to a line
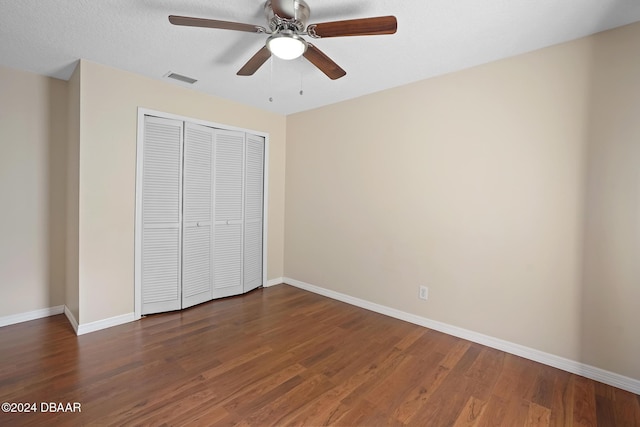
[301, 91]
[271, 79]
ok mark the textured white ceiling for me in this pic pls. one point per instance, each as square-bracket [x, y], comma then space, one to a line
[434, 37]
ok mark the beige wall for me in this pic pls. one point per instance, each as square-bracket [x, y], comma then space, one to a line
[33, 127]
[474, 184]
[109, 102]
[72, 290]
[611, 301]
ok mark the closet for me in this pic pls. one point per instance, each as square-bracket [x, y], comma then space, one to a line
[199, 213]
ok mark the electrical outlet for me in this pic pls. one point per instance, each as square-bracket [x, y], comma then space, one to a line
[424, 293]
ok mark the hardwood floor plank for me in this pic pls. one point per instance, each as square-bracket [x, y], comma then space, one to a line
[605, 391]
[202, 415]
[584, 409]
[558, 408]
[517, 412]
[471, 413]
[260, 393]
[375, 373]
[626, 408]
[325, 409]
[267, 401]
[282, 356]
[568, 400]
[517, 378]
[411, 337]
[394, 390]
[283, 405]
[455, 353]
[416, 397]
[494, 413]
[538, 416]
[605, 413]
[364, 413]
[543, 391]
[486, 370]
[237, 362]
[447, 401]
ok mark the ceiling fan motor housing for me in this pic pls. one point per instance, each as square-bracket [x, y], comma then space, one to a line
[296, 23]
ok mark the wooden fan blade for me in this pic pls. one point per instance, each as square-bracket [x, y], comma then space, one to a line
[323, 62]
[284, 8]
[355, 27]
[255, 62]
[212, 23]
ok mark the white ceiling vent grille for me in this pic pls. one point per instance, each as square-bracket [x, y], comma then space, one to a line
[180, 77]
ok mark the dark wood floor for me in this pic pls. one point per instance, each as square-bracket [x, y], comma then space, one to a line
[283, 356]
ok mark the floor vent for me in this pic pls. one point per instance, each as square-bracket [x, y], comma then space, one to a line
[180, 77]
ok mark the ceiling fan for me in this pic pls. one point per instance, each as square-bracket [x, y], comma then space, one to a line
[287, 21]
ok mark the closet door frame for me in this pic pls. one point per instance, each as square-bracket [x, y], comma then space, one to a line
[142, 112]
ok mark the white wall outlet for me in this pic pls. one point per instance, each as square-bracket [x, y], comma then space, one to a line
[424, 293]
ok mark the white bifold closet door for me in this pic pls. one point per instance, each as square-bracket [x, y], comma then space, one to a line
[229, 213]
[253, 212]
[239, 193]
[197, 218]
[161, 256]
[202, 214]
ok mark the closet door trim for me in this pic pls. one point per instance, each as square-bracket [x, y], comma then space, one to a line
[142, 112]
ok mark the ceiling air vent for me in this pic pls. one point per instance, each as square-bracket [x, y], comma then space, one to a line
[180, 77]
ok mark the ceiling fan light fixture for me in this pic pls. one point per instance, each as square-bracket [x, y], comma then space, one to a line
[286, 45]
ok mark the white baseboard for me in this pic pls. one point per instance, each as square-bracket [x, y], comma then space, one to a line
[85, 328]
[59, 309]
[71, 318]
[31, 315]
[273, 282]
[572, 366]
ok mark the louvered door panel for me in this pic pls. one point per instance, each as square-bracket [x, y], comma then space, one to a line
[162, 158]
[198, 148]
[253, 212]
[252, 254]
[161, 268]
[197, 225]
[229, 156]
[196, 266]
[161, 215]
[227, 253]
[228, 211]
